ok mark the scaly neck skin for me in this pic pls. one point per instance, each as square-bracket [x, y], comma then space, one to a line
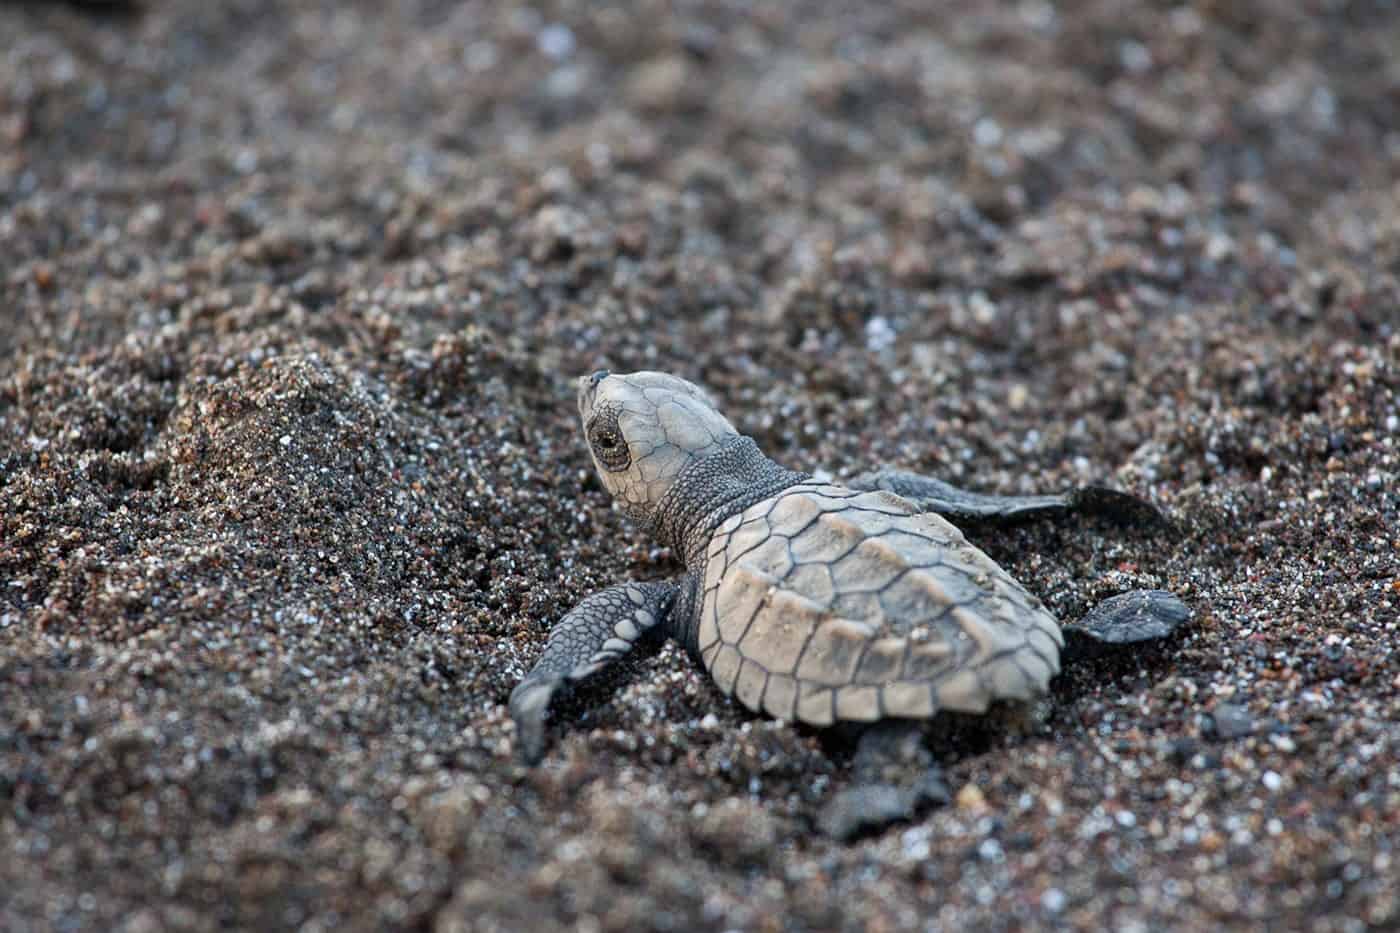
[710, 490]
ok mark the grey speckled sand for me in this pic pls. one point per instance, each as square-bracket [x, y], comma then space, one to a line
[806, 600]
[256, 683]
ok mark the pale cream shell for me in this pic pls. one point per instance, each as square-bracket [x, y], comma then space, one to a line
[824, 604]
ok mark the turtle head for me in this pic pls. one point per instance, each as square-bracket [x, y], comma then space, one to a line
[643, 429]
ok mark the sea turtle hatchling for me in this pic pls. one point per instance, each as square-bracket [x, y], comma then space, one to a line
[813, 601]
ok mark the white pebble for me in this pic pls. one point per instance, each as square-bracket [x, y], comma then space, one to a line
[556, 41]
[984, 310]
[878, 334]
[1219, 247]
[986, 132]
[1134, 56]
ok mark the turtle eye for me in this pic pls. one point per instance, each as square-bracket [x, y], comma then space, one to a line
[607, 443]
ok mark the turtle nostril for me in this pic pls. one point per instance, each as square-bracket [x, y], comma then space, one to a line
[596, 378]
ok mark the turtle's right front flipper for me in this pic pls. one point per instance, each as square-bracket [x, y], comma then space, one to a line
[599, 630]
[934, 495]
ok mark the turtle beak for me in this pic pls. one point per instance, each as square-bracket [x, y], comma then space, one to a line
[587, 388]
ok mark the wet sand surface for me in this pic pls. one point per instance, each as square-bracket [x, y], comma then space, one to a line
[292, 296]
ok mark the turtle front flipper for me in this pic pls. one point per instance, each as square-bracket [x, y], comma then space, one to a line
[598, 631]
[934, 495]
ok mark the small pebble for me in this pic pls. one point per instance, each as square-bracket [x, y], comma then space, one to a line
[1230, 721]
[970, 797]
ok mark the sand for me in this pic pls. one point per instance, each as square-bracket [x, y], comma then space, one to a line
[292, 296]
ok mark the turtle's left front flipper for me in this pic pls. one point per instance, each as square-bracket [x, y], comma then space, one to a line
[934, 495]
[597, 632]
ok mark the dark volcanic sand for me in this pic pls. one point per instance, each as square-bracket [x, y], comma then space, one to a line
[290, 488]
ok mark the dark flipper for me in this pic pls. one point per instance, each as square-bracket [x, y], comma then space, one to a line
[599, 630]
[1134, 616]
[934, 495]
[895, 779]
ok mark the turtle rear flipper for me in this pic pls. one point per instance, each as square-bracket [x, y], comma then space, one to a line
[1137, 615]
[1129, 618]
[895, 778]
